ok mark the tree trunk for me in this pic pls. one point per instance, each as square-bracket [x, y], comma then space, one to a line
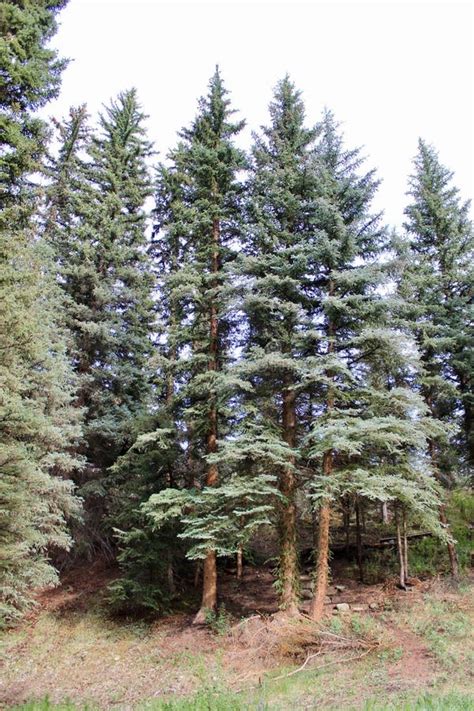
[197, 573]
[405, 545]
[359, 543]
[239, 563]
[287, 518]
[346, 516]
[385, 513]
[401, 557]
[170, 576]
[209, 582]
[322, 559]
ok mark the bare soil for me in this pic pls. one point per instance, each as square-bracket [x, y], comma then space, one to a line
[69, 648]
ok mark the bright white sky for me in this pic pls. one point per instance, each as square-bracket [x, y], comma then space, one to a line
[391, 71]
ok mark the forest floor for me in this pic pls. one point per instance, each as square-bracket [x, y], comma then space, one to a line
[391, 650]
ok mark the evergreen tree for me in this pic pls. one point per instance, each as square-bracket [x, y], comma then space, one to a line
[197, 224]
[38, 425]
[31, 74]
[436, 281]
[278, 259]
[367, 428]
[97, 225]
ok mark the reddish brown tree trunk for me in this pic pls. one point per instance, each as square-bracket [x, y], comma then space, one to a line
[288, 551]
[346, 516]
[322, 558]
[209, 582]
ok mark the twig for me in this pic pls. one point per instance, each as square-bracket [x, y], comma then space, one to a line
[295, 671]
[322, 666]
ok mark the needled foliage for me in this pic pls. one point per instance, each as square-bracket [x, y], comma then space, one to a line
[255, 354]
[97, 226]
[275, 268]
[436, 258]
[198, 218]
[369, 428]
[39, 427]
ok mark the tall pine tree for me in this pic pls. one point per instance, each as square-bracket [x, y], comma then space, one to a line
[276, 268]
[436, 281]
[368, 427]
[98, 227]
[198, 221]
[39, 426]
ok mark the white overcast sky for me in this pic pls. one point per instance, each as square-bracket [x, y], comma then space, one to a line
[391, 71]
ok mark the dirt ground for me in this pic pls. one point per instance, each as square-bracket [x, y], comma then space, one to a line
[68, 648]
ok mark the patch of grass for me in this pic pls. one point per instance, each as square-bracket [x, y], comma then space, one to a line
[46, 705]
[424, 702]
[447, 629]
[225, 701]
[365, 626]
[219, 622]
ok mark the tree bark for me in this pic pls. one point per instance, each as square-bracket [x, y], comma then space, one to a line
[287, 522]
[401, 557]
[385, 513]
[359, 543]
[209, 582]
[405, 545]
[239, 563]
[322, 558]
[322, 561]
[346, 515]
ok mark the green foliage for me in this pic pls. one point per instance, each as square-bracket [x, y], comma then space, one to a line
[436, 259]
[31, 74]
[428, 556]
[215, 518]
[96, 222]
[145, 559]
[368, 417]
[39, 425]
[220, 621]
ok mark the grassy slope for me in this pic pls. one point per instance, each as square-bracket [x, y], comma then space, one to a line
[424, 661]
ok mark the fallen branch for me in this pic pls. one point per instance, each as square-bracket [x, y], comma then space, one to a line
[322, 666]
[295, 671]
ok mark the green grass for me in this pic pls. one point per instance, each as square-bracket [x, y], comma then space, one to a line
[100, 664]
[207, 701]
[426, 702]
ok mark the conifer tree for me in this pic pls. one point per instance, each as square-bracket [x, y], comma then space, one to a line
[437, 278]
[435, 281]
[359, 429]
[198, 219]
[38, 425]
[97, 225]
[277, 262]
